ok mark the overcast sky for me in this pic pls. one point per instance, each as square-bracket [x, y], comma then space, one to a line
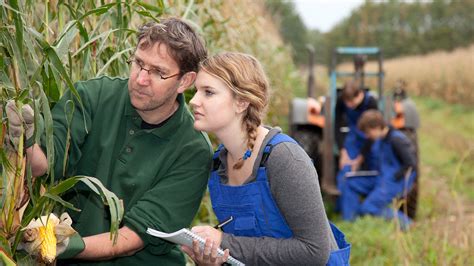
[324, 14]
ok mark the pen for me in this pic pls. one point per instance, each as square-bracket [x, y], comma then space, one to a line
[226, 221]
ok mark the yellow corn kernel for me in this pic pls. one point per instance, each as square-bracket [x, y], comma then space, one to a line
[48, 242]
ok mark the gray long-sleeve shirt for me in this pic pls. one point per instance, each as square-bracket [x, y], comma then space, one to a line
[294, 186]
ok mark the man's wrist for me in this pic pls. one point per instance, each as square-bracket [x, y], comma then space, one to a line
[30, 142]
[76, 245]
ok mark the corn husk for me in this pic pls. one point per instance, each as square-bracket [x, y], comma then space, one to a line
[46, 236]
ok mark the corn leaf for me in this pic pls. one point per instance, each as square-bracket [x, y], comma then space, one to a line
[61, 201]
[114, 57]
[114, 203]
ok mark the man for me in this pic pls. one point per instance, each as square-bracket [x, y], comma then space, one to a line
[136, 136]
[350, 106]
[396, 166]
[407, 120]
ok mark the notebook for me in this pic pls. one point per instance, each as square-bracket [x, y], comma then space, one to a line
[361, 173]
[185, 237]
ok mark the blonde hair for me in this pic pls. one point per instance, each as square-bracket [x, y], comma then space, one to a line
[245, 77]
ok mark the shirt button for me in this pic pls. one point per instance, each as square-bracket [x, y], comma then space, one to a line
[131, 132]
[128, 149]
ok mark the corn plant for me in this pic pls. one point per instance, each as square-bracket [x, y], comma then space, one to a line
[44, 46]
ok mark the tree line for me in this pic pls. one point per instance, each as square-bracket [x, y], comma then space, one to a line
[398, 27]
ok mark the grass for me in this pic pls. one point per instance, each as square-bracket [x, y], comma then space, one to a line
[443, 233]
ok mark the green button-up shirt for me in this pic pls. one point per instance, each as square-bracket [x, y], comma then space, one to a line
[160, 174]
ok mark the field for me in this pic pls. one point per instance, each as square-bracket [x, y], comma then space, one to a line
[60, 53]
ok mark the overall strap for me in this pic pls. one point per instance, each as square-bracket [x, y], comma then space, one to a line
[367, 94]
[277, 139]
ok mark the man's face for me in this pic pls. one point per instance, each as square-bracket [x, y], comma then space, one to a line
[148, 90]
[374, 133]
[356, 101]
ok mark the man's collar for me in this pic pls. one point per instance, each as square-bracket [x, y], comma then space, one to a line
[170, 127]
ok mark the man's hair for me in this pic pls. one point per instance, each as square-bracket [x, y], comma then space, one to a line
[350, 90]
[399, 91]
[184, 44]
[371, 119]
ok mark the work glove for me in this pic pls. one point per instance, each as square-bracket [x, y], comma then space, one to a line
[15, 122]
[50, 237]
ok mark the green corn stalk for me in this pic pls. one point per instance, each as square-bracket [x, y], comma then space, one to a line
[43, 48]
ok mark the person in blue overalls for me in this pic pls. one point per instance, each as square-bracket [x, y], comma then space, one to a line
[354, 146]
[396, 167]
[264, 188]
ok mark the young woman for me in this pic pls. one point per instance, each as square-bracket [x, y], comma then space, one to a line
[262, 181]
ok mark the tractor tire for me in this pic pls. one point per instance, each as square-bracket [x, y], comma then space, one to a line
[310, 140]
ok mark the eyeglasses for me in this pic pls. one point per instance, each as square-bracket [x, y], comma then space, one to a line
[153, 72]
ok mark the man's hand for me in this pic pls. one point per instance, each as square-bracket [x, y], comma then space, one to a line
[207, 255]
[47, 237]
[15, 122]
[356, 163]
[343, 158]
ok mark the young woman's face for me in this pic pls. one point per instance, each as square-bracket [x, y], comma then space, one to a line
[213, 105]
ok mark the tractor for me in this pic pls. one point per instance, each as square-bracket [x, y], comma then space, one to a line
[312, 119]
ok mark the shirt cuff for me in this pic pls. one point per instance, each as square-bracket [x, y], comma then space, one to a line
[225, 241]
[76, 245]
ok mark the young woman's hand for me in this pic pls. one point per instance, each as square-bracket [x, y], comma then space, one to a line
[208, 255]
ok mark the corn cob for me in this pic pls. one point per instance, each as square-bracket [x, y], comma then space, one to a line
[48, 242]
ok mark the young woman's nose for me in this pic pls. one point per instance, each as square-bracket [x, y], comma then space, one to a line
[194, 101]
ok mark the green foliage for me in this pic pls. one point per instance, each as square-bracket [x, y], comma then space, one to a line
[291, 26]
[399, 27]
[41, 56]
[404, 28]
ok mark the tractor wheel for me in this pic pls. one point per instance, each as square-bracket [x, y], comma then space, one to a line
[310, 140]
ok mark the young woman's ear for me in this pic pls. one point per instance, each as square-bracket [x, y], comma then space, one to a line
[186, 81]
[241, 106]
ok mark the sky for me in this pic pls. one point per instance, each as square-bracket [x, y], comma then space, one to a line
[324, 14]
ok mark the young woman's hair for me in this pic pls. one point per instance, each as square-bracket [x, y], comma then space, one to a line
[245, 77]
[371, 119]
[350, 90]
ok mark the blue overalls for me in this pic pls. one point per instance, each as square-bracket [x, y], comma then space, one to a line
[353, 143]
[355, 138]
[380, 190]
[254, 211]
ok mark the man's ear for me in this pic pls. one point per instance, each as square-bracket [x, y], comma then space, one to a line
[241, 106]
[186, 81]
